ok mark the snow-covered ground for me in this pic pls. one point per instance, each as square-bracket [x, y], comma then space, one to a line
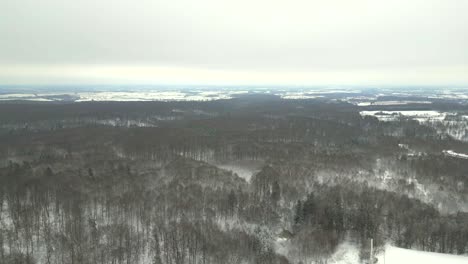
[157, 96]
[312, 93]
[300, 96]
[451, 95]
[368, 103]
[447, 123]
[174, 95]
[355, 96]
[421, 116]
[243, 169]
[348, 253]
[15, 95]
[394, 255]
[454, 154]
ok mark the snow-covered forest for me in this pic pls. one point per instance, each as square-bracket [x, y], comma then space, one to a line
[257, 178]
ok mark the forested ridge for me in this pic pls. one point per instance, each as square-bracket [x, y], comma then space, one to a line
[163, 182]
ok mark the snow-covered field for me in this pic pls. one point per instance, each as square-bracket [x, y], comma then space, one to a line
[28, 97]
[394, 255]
[454, 154]
[158, 96]
[421, 116]
[449, 123]
[451, 95]
[348, 253]
[368, 103]
[354, 96]
[174, 95]
[300, 96]
[312, 93]
[169, 95]
[243, 169]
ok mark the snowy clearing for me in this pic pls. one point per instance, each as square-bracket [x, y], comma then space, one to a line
[299, 95]
[128, 96]
[348, 253]
[392, 103]
[394, 255]
[154, 96]
[421, 116]
[243, 169]
[454, 154]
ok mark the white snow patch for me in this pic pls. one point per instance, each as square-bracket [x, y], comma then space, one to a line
[299, 95]
[421, 116]
[394, 255]
[392, 103]
[454, 154]
[282, 246]
[346, 253]
[158, 96]
[27, 97]
[10, 96]
[152, 95]
[450, 95]
[243, 169]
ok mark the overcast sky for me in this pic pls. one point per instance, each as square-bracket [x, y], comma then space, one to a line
[391, 42]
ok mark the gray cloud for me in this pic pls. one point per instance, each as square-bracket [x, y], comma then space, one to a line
[273, 37]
